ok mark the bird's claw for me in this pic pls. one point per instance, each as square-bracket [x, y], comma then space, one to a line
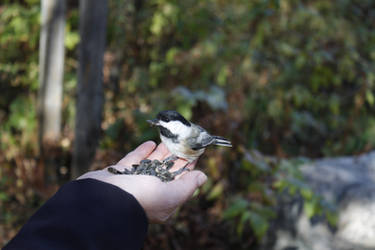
[170, 158]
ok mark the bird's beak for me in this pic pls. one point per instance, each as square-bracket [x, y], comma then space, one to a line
[153, 122]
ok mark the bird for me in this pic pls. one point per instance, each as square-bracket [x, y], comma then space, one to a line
[183, 138]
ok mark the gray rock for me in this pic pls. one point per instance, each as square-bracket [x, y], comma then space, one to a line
[349, 183]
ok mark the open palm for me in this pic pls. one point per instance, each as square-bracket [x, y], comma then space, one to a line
[158, 199]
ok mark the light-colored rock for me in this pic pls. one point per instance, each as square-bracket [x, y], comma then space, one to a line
[357, 216]
[349, 183]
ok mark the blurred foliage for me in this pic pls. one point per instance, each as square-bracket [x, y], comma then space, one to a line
[288, 69]
[19, 29]
[265, 182]
[287, 78]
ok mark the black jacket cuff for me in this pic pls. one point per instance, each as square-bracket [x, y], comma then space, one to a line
[85, 214]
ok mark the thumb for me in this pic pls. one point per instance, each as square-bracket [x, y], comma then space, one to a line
[184, 187]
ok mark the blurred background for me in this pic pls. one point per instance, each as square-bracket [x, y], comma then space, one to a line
[285, 81]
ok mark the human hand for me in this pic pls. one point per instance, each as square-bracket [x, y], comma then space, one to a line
[158, 199]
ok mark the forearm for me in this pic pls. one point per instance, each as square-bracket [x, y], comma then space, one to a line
[85, 214]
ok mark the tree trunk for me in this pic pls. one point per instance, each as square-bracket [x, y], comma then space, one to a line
[51, 72]
[92, 28]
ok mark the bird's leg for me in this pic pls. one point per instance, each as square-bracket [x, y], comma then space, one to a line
[181, 170]
[169, 161]
[170, 158]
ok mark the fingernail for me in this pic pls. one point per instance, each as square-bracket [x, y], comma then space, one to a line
[201, 179]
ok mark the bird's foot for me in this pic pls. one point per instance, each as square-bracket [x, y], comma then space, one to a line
[181, 170]
[169, 161]
[170, 158]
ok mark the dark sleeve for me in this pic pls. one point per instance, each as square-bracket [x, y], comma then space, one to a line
[85, 214]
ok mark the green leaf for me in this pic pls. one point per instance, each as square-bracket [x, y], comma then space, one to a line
[259, 224]
[169, 58]
[216, 191]
[244, 218]
[238, 207]
[309, 208]
[71, 40]
[332, 218]
[3, 196]
[370, 97]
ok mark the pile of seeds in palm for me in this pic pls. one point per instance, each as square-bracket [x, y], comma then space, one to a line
[156, 168]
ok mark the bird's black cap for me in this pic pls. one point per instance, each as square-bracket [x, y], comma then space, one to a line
[171, 115]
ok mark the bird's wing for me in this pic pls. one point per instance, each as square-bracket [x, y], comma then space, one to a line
[201, 141]
[200, 138]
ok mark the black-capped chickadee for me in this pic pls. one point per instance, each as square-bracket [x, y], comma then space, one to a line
[184, 139]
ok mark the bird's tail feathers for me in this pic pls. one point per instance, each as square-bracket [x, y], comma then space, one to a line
[221, 141]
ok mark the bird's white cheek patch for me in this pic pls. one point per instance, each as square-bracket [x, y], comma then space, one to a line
[177, 128]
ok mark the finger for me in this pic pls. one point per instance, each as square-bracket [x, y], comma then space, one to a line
[184, 187]
[159, 153]
[140, 153]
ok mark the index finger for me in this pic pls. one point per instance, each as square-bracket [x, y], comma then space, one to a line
[159, 153]
[140, 153]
